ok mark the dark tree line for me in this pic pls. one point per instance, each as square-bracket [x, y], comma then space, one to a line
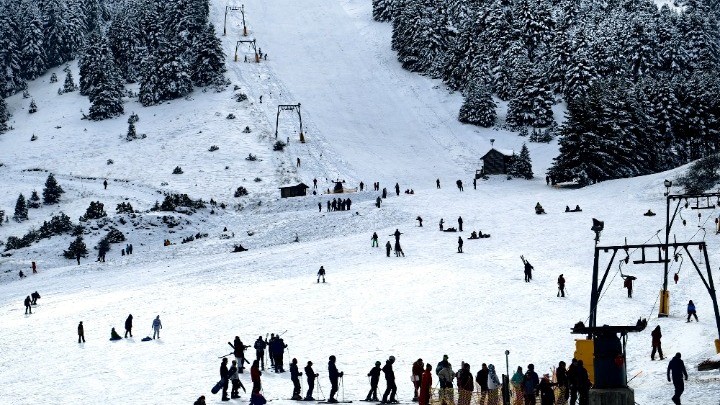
[638, 80]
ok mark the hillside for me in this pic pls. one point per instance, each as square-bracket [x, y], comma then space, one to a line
[365, 119]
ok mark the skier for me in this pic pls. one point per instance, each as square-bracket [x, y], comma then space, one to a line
[460, 222]
[391, 387]
[493, 385]
[417, 370]
[28, 308]
[425, 386]
[397, 189]
[295, 377]
[114, 335]
[311, 376]
[656, 344]
[398, 250]
[460, 243]
[690, 311]
[128, 325]
[105, 184]
[528, 269]
[333, 374]
[224, 377]
[397, 234]
[260, 346]
[279, 351]
[482, 379]
[374, 375]
[374, 240]
[442, 222]
[530, 383]
[437, 183]
[321, 273]
[156, 325]
[388, 248]
[465, 385]
[35, 296]
[677, 368]
[255, 377]
[459, 185]
[81, 333]
[561, 286]
[419, 219]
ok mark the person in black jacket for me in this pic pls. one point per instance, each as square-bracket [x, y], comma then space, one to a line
[224, 377]
[35, 296]
[465, 385]
[277, 350]
[295, 375]
[583, 383]
[260, 346]
[388, 248]
[81, 332]
[677, 368]
[239, 352]
[482, 379]
[334, 375]
[562, 383]
[311, 376]
[28, 308]
[128, 325]
[374, 375]
[572, 381]
[390, 381]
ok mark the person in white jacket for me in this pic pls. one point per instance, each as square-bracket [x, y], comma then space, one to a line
[493, 386]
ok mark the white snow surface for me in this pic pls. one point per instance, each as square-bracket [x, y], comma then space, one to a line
[364, 119]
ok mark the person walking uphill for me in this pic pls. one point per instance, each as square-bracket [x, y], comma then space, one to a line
[390, 381]
[374, 375]
[311, 375]
[334, 375]
[295, 375]
[676, 367]
[656, 334]
[81, 333]
[128, 325]
[156, 325]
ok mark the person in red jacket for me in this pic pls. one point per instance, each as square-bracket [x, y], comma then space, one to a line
[425, 386]
[255, 374]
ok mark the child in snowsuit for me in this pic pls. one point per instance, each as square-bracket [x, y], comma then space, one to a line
[374, 375]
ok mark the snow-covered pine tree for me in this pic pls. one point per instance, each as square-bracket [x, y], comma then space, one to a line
[56, 27]
[69, 85]
[89, 61]
[511, 69]
[534, 22]
[411, 29]
[463, 59]
[10, 50]
[77, 248]
[383, 10]
[640, 48]
[125, 42]
[4, 116]
[101, 80]
[33, 107]
[579, 76]
[208, 65]
[533, 101]
[21, 209]
[521, 165]
[34, 200]
[131, 133]
[479, 107]
[700, 31]
[165, 75]
[697, 130]
[52, 190]
[32, 58]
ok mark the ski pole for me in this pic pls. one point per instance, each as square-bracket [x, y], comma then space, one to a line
[342, 384]
[639, 372]
[225, 355]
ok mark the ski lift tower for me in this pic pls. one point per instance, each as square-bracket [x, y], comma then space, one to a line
[252, 44]
[289, 107]
[233, 8]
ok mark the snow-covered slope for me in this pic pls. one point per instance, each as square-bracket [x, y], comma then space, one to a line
[368, 120]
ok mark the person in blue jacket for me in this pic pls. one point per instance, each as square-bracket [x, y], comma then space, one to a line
[676, 367]
[691, 311]
[530, 383]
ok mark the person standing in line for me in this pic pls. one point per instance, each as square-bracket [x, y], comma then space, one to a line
[81, 333]
[128, 325]
[255, 377]
[562, 384]
[295, 375]
[391, 387]
[572, 381]
[465, 385]
[28, 303]
[417, 370]
[482, 379]
[321, 273]
[425, 386]
[530, 383]
[224, 377]
[311, 376]
[374, 375]
[334, 375]
[493, 386]
[676, 367]
[656, 335]
[517, 386]
[583, 384]
[156, 325]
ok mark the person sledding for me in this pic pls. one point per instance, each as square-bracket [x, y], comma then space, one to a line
[114, 335]
[649, 213]
[539, 209]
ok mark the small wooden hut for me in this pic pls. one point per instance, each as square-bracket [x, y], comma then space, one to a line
[496, 161]
[297, 190]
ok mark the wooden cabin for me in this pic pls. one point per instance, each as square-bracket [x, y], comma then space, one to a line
[496, 161]
[298, 190]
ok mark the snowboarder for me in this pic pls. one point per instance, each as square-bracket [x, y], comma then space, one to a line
[460, 222]
[28, 308]
[311, 376]
[255, 377]
[460, 243]
[81, 333]
[691, 312]
[482, 379]
[676, 367]
[235, 382]
[225, 378]
[397, 189]
[321, 273]
[35, 296]
[156, 325]
[295, 377]
[333, 374]
[442, 223]
[628, 283]
[530, 383]
[398, 250]
[437, 183]
[397, 234]
[417, 370]
[105, 184]
[374, 375]
[465, 385]
[260, 346]
[656, 334]
[390, 381]
[419, 219]
[34, 268]
[128, 325]
[561, 286]
[425, 386]
[114, 335]
[374, 240]
[388, 248]
[528, 269]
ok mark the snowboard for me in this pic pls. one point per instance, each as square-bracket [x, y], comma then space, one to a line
[217, 387]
